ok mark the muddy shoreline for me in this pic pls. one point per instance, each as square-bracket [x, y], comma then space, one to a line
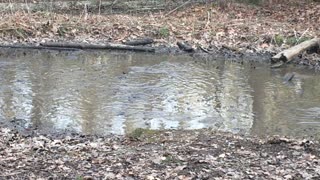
[165, 49]
[213, 54]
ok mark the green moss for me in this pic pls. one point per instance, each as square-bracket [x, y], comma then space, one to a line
[303, 39]
[164, 32]
[79, 178]
[279, 40]
[20, 33]
[170, 159]
[251, 2]
[291, 41]
[62, 31]
[140, 133]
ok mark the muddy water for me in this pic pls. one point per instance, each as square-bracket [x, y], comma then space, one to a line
[101, 93]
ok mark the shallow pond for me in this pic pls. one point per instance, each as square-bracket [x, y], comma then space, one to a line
[104, 92]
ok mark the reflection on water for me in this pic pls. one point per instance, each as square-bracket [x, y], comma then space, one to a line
[96, 92]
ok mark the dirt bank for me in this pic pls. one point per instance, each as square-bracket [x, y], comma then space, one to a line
[231, 28]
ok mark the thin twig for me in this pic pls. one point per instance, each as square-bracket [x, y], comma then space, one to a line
[100, 7]
[10, 5]
[295, 34]
[204, 50]
[112, 4]
[27, 7]
[85, 12]
[208, 20]
[172, 11]
[303, 34]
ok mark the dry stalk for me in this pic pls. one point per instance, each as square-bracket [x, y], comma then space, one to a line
[193, 26]
[100, 7]
[303, 34]
[10, 6]
[27, 5]
[85, 11]
[208, 20]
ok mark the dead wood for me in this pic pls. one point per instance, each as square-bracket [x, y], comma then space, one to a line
[175, 9]
[288, 77]
[230, 48]
[288, 54]
[277, 65]
[185, 47]
[93, 46]
[139, 42]
[204, 50]
[37, 47]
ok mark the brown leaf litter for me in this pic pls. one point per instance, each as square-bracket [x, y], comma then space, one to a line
[198, 154]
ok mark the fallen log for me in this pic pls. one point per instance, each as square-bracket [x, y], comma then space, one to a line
[288, 54]
[37, 47]
[139, 42]
[204, 50]
[185, 47]
[234, 49]
[93, 46]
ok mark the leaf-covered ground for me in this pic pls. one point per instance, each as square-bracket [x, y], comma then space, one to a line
[200, 154]
[237, 25]
[241, 27]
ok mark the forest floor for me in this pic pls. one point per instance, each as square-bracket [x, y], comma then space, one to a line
[146, 154]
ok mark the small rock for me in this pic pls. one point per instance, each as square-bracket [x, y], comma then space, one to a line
[296, 153]
[264, 154]
[110, 175]
[150, 177]
[88, 178]
[222, 155]
[288, 176]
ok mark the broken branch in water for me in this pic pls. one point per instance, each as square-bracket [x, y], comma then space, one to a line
[288, 54]
[93, 46]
